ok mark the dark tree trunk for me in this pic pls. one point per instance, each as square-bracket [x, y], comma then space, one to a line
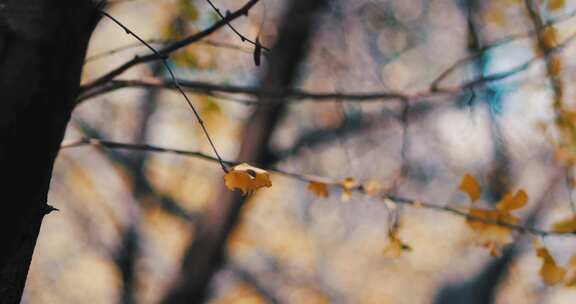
[42, 48]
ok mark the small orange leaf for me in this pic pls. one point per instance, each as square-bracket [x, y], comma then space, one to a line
[566, 225]
[395, 247]
[550, 37]
[247, 178]
[319, 189]
[372, 188]
[550, 272]
[512, 202]
[348, 184]
[490, 235]
[470, 186]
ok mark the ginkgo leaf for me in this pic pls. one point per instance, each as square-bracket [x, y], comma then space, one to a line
[566, 225]
[319, 189]
[348, 184]
[571, 281]
[372, 188]
[247, 178]
[550, 272]
[491, 235]
[550, 37]
[395, 247]
[512, 202]
[486, 217]
[470, 186]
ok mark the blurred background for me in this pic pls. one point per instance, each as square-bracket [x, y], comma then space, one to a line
[503, 114]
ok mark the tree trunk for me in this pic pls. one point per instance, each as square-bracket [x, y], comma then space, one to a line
[42, 48]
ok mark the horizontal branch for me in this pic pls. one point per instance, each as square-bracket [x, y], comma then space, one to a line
[106, 83]
[329, 181]
[298, 95]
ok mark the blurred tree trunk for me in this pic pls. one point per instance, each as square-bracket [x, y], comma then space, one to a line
[206, 253]
[42, 48]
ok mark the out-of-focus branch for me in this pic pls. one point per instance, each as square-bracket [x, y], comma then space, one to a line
[298, 95]
[107, 83]
[481, 50]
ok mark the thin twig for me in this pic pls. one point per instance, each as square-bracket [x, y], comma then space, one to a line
[164, 59]
[165, 51]
[242, 37]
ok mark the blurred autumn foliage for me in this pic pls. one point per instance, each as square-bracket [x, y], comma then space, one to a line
[413, 151]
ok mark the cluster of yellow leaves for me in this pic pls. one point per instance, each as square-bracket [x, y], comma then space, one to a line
[247, 178]
[488, 223]
[395, 246]
[348, 185]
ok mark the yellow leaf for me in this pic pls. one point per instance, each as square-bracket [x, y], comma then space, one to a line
[247, 178]
[571, 282]
[372, 188]
[470, 186]
[348, 184]
[492, 236]
[550, 37]
[512, 202]
[555, 4]
[565, 225]
[550, 273]
[319, 189]
[395, 247]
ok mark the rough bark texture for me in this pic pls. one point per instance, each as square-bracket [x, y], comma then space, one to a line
[42, 47]
[206, 254]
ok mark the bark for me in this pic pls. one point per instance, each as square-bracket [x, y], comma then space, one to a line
[42, 48]
[206, 253]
